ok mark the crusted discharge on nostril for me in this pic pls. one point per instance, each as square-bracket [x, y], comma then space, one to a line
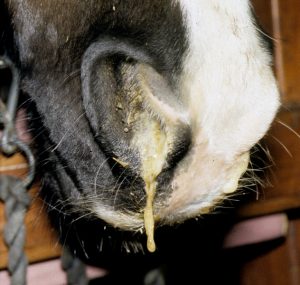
[120, 86]
[163, 103]
[107, 98]
[140, 124]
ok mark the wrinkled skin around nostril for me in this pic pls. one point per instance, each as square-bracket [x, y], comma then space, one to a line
[136, 119]
[128, 103]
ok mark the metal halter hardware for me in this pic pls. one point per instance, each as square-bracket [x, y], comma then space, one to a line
[13, 190]
[9, 142]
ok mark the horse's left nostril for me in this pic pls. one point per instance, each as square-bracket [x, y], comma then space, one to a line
[136, 116]
[134, 112]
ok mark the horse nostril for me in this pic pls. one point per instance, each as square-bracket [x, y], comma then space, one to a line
[164, 107]
[107, 100]
[136, 116]
[181, 145]
[127, 102]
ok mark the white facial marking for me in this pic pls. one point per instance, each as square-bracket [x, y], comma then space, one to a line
[232, 184]
[231, 98]
[231, 95]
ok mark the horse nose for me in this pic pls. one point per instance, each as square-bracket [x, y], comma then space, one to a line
[135, 115]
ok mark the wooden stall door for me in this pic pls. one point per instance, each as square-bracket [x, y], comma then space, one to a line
[280, 264]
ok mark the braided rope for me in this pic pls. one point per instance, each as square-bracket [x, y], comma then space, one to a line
[13, 193]
[74, 268]
[13, 190]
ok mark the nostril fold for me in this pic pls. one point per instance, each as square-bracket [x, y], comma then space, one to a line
[124, 97]
[136, 116]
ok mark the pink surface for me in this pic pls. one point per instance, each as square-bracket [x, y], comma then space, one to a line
[21, 126]
[247, 232]
[257, 230]
[49, 273]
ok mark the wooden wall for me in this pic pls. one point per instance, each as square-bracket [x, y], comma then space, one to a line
[280, 264]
